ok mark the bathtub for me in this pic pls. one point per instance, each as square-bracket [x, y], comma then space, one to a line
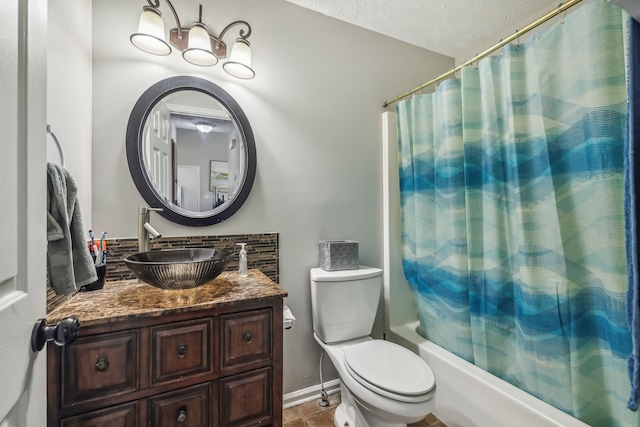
[467, 396]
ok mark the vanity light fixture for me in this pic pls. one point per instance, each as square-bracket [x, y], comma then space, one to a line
[197, 44]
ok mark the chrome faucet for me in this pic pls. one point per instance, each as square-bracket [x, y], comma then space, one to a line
[145, 229]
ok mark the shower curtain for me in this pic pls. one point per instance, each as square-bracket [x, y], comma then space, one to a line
[512, 198]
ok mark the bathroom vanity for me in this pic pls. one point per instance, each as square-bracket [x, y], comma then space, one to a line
[209, 356]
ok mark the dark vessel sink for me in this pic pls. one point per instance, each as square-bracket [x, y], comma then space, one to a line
[178, 268]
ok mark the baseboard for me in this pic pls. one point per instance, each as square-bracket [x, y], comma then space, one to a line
[310, 393]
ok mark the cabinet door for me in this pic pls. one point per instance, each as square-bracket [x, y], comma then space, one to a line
[245, 399]
[181, 408]
[99, 366]
[246, 338]
[181, 349]
[117, 416]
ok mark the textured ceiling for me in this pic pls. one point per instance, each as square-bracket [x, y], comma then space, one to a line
[451, 27]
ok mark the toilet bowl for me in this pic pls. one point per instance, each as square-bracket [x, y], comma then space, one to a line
[376, 393]
[382, 383]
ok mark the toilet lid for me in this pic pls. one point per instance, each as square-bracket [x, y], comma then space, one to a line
[389, 367]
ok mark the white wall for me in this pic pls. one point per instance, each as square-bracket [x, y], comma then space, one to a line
[69, 92]
[499, 36]
[314, 107]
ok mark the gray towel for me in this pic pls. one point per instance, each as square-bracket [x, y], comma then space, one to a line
[68, 259]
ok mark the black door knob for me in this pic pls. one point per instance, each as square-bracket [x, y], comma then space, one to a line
[64, 333]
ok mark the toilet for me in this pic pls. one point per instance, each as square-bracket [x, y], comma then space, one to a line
[382, 383]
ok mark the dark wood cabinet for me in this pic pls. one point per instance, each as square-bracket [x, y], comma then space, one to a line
[99, 366]
[246, 339]
[181, 350]
[214, 366]
[186, 407]
[116, 416]
[246, 399]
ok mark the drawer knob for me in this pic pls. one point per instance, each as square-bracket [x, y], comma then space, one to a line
[182, 350]
[102, 364]
[248, 337]
[182, 415]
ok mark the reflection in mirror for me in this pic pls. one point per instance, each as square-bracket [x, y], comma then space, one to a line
[193, 152]
[190, 151]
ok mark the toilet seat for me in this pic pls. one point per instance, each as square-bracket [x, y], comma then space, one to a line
[389, 370]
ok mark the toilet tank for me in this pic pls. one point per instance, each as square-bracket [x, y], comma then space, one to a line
[344, 303]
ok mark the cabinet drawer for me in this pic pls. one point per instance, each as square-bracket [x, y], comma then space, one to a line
[181, 408]
[181, 349]
[118, 416]
[98, 366]
[246, 398]
[246, 337]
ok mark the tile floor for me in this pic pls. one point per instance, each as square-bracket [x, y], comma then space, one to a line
[310, 414]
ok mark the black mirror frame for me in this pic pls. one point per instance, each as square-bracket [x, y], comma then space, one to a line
[135, 159]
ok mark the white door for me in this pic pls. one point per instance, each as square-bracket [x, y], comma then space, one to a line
[158, 143]
[23, 243]
[189, 185]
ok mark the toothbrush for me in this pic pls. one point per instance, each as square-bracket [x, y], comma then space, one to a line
[100, 258]
[93, 243]
[104, 253]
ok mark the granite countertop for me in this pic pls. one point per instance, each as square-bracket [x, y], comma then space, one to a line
[129, 299]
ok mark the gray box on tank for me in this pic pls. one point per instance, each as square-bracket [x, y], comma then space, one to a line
[338, 255]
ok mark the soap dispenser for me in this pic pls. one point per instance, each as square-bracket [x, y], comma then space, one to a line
[242, 264]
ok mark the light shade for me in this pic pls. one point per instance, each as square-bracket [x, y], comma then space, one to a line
[204, 127]
[150, 35]
[199, 50]
[239, 63]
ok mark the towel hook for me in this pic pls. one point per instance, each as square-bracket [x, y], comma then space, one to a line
[58, 146]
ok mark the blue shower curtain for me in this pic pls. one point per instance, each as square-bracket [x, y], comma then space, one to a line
[632, 193]
[512, 193]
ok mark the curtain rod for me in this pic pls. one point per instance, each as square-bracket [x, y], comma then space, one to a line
[561, 8]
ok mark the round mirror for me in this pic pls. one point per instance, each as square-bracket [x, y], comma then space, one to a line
[191, 151]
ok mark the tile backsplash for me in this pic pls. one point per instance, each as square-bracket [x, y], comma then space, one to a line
[262, 249]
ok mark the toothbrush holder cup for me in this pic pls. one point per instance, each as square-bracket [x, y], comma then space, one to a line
[101, 272]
